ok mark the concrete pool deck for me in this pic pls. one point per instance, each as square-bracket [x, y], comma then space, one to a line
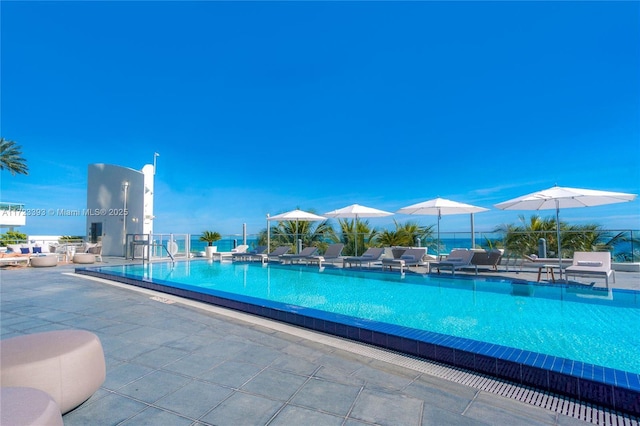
[171, 361]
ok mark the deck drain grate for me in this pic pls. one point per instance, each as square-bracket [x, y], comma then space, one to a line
[547, 400]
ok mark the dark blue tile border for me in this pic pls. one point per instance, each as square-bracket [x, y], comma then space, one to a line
[588, 383]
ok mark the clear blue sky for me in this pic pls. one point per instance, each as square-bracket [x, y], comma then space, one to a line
[263, 107]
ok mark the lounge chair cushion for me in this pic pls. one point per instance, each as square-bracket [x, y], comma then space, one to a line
[43, 249]
[589, 263]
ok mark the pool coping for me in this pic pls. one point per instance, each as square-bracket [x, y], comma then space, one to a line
[608, 387]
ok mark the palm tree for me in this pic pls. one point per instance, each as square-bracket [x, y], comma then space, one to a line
[210, 237]
[592, 237]
[12, 237]
[523, 239]
[11, 158]
[391, 238]
[286, 233]
[405, 234]
[352, 231]
[412, 231]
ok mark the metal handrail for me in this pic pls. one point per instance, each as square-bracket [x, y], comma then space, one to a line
[173, 261]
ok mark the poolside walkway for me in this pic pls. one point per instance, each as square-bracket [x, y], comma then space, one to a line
[176, 362]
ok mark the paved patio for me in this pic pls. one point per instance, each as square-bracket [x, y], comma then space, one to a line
[176, 362]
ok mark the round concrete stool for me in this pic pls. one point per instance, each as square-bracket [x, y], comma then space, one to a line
[84, 258]
[43, 261]
[28, 407]
[67, 364]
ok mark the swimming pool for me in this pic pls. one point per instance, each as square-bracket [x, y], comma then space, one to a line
[556, 329]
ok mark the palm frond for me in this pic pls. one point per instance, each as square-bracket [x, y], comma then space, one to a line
[11, 158]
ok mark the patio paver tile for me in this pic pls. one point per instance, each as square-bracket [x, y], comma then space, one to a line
[155, 417]
[154, 386]
[195, 399]
[292, 415]
[243, 409]
[385, 408]
[327, 396]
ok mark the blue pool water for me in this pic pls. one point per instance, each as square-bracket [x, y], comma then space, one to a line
[593, 326]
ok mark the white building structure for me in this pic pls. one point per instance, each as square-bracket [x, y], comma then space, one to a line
[12, 215]
[119, 202]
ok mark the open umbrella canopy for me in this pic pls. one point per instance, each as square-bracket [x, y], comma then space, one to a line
[299, 215]
[559, 197]
[357, 211]
[441, 206]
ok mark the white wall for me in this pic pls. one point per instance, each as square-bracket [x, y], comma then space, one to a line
[147, 223]
[106, 201]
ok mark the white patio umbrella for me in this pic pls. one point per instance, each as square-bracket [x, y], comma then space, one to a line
[561, 197]
[356, 211]
[297, 215]
[439, 207]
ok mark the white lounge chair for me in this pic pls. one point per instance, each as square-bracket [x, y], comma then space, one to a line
[457, 259]
[242, 248]
[373, 254]
[332, 254]
[410, 257]
[249, 255]
[591, 263]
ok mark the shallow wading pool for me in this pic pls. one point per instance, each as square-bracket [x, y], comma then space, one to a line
[578, 341]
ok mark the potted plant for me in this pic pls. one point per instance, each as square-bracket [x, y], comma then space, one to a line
[210, 237]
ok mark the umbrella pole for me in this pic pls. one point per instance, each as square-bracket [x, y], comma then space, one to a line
[355, 242]
[473, 233]
[268, 235]
[558, 237]
[438, 246]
